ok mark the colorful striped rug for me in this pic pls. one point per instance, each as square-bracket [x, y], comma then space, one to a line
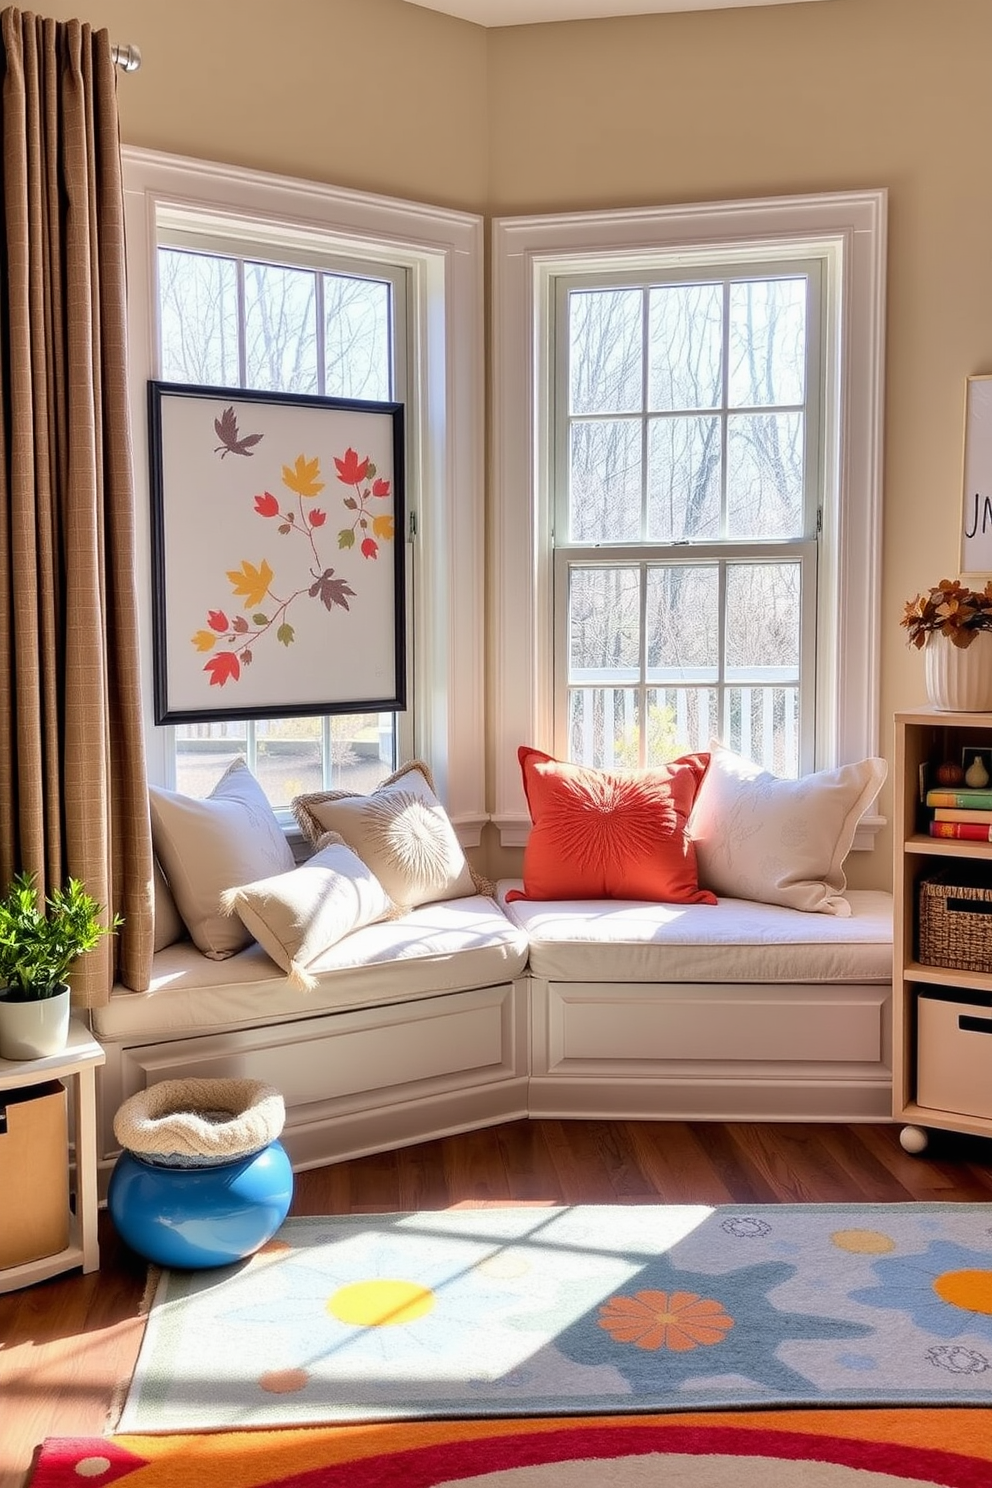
[746, 1449]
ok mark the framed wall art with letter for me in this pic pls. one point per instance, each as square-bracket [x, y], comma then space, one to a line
[976, 526]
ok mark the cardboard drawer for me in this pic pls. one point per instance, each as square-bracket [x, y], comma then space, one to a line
[954, 1052]
[34, 1173]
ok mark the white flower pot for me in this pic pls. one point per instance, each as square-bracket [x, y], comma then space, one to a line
[959, 678]
[30, 1030]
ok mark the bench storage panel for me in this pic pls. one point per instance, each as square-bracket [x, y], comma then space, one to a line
[746, 1051]
[639, 1028]
[414, 1067]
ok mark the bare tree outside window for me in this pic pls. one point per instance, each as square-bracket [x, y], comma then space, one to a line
[358, 351]
[198, 317]
[686, 443]
[280, 329]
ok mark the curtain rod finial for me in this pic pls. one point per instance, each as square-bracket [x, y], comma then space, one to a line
[127, 57]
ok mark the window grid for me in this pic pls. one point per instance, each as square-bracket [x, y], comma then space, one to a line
[655, 713]
[326, 765]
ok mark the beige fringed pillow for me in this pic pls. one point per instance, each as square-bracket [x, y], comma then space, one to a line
[206, 846]
[296, 916]
[401, 831]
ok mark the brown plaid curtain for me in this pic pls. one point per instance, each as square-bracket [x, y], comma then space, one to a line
[73, 792]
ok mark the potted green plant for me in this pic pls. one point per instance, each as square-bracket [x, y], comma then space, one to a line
[39, 942]
[952, 624]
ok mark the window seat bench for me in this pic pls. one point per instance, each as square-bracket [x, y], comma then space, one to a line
[472, 1011]
[733, 1011]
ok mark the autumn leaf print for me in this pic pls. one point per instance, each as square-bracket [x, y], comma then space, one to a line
[351, 469]
[359, 474]
[331, 591]
[304, 476]
[226, 429]
[224, 667]
[228, 640]
[251, 582]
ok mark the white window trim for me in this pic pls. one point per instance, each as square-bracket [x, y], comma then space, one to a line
[849, 230]
[443, 251]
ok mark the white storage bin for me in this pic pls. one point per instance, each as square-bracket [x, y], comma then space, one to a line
[954, 1052]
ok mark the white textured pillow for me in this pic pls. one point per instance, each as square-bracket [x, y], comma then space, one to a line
[780, 841]
[232, 837]
[401, 831]
[298, 915]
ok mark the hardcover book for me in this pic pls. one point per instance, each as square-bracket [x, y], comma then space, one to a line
[962, 797]
[970, 831]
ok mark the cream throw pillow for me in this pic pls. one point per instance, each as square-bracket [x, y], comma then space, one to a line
[780, 841]
[401, 831]
[169, 925]
[296, 916]
[232, 837]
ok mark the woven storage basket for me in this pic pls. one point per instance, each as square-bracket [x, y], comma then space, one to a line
[955, 924]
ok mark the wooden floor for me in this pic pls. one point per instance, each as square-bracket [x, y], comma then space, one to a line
[67, 1346]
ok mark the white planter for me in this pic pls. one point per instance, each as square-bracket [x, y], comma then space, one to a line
[959, 678]
[31, 1030]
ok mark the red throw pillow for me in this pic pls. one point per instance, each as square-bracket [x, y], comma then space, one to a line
[602, 834]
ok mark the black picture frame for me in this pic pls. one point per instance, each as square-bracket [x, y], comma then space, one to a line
[968, 755]
[277, 550]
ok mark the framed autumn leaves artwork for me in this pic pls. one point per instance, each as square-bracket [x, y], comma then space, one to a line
[277, 554]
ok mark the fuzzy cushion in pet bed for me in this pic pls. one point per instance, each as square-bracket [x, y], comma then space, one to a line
[199, 1123]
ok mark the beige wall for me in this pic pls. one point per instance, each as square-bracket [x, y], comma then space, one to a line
[388, 97]
[783, 99]
[375, 95]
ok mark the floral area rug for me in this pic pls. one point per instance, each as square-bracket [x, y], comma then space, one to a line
[591, 1309]
[743, 1449]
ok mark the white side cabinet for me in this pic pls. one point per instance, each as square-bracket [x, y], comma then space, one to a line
[76, 1065]
[928, 736]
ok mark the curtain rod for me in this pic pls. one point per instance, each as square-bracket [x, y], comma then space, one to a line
[127, 57]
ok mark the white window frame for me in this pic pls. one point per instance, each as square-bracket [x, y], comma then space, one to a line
[442, 252]
[800, 547]
[847, 230]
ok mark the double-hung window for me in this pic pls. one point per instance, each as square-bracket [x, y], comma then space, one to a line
[241, 279]
[686, 490]
[687, 485]
[256, 316]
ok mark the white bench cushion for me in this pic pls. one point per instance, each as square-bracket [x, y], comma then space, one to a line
[735, 940]
[443, 947]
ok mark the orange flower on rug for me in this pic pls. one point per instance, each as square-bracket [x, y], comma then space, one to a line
[665, 1320]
